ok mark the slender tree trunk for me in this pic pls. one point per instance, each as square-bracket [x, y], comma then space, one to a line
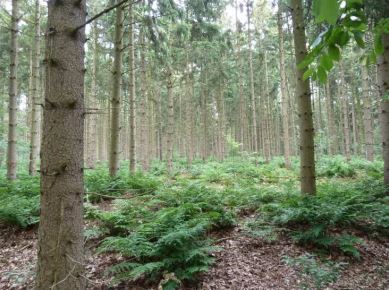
[303, 94]
[61, 240]
[143, 154]
[331, 134]
[170, 122]
[35, 106]
[114, 155]
[252, 89]
[91, 119]
[284, 93]
[367, 112]
[13, 93]
[383, 83]
[131, 88]
[346, 124]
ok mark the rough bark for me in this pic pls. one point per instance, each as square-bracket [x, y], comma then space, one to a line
[303, 94]
[61, 240]
[131, 88]
[114, 154]
[383, 84]
[13, 92]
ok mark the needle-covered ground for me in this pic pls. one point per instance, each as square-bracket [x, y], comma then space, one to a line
[240, 224]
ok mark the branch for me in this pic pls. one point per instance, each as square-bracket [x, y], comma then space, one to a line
[106, 10]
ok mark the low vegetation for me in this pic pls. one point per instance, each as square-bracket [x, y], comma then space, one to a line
[165, 225]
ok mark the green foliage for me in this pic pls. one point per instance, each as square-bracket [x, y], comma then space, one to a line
[98, 183]
[335, 166]
[324, 219]
[314, 273]
[166, 232]
[19, 201]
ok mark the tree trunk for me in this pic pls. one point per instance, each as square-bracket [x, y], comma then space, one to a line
[367, 112]
[61, 240]
[131, 88]
[114, 153]
[13, 93]
[383, 83]
[170, 122]
[303, 94]
[35, 100]
[252, 89]
[91, 156]
[346, 124]
[331, 134]
[143, 154]
[284, 93]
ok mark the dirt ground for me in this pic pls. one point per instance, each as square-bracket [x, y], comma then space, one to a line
[244, 263]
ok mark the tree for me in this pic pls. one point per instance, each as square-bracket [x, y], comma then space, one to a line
[303, 95]
[35, 105]
[114, 153]
[13, 93]
[61, 240]
[284, 93]
[131, 88]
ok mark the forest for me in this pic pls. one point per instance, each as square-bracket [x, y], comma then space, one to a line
[194, 144]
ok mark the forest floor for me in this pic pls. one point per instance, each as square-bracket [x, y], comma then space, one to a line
[349, 210]
[244, 263]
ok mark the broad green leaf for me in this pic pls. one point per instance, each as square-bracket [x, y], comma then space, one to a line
[308, 73]
[321, 75]
[326, 10]
[372, 58]
[334, 52]
[326, 62]
[343, 38]
[358, 36]
[307, 60]
[378, 46]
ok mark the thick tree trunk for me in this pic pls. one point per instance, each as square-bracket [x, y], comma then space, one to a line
[383, 83]
[131, 88]
[303, 94]
[367, 118]
[61, 240]
[114, 154]
[13, 93]
[35, 100]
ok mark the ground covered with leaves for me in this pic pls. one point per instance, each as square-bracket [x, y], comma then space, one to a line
[239, 224]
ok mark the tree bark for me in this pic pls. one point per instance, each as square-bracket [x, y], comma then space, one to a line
[284, 93]
[383, 84]
[303, 94]
[114, 155]
[346, 125]
[367, 118]
[252, 89]
[170, 122]
[131, 88]
[331, 134]
[13, 93]
[61, 240]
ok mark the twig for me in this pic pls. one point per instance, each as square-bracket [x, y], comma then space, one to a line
[106, 10]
